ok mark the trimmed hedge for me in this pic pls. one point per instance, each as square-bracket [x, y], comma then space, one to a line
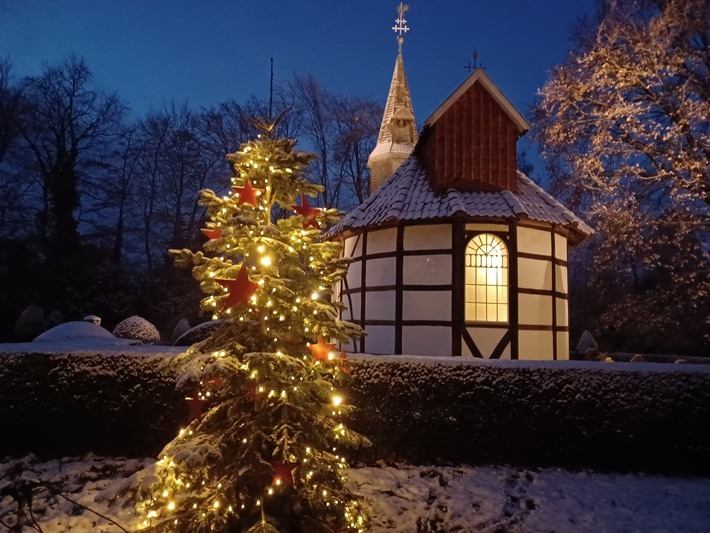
[56, 405]
[574, 417]
[69, 404]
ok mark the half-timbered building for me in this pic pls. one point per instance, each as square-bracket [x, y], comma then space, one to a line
[456, 252]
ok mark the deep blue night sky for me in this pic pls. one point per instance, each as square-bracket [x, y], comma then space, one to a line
[206, 51]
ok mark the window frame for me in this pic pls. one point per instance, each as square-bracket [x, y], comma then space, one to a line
[504, 238]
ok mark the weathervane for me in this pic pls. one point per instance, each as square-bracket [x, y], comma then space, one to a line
[471, 67]
[400, 26]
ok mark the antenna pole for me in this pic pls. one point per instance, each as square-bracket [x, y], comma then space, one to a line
[271, 90]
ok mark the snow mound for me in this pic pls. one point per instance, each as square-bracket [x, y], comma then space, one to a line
[74, 331]
[136, 328]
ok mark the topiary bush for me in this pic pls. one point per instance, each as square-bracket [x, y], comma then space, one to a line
[30, 323]
[136, 328]
[199, 333]
[182, 327]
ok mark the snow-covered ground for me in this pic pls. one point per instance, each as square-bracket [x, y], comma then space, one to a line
[406, 499]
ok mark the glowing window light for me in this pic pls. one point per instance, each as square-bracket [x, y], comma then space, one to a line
[486, 279]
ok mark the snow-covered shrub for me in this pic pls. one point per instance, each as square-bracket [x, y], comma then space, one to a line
[76, 331]
[182, 327]
[30, 323]
[199, 333]
[136, 328]
[54, 318]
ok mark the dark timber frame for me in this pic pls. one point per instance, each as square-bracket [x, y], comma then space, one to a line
[460, 237]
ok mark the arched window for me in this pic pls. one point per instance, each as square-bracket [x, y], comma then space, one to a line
[486, 279]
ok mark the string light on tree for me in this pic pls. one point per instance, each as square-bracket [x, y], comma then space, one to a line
[265, 420]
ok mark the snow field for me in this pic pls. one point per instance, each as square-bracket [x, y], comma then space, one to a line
[406, 499]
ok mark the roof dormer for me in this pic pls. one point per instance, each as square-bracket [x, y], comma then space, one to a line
[469, 143]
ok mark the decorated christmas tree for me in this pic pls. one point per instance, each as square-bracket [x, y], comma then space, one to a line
[264, 448]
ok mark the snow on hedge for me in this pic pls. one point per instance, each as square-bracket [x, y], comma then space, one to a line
[136, 328]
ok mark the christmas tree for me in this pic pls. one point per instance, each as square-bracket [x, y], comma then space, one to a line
[263, 449]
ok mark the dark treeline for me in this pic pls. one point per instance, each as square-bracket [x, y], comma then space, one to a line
[91, 199]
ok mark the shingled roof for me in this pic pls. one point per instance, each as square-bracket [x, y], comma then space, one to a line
[407, 195]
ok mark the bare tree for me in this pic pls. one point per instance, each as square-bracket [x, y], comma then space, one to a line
[111, 200]
[625, 123]
[311, 101]
[14, 188]
[356, 124]
[176, 161]
[66, 124]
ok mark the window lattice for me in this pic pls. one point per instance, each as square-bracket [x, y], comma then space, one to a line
[486, 279]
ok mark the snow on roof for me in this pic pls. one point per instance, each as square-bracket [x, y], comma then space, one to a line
[407, 195]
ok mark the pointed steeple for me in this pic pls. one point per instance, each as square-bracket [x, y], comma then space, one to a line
[398, 132]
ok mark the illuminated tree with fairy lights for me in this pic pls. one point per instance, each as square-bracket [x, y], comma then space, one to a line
[264, 447]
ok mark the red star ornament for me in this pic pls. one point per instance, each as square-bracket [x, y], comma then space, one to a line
[195, 406]
[283, 472]
[308, 213]
[344, 367]
[320, 350]
[247, 194]
[212, 233]
[240, 289]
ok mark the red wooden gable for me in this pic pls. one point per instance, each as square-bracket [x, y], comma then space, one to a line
[470, 141]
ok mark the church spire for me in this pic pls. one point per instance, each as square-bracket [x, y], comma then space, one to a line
[398, 132]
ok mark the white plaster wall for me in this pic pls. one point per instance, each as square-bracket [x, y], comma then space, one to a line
[379, 340]
[562, 315]
[426, 305]
[560, 247]
[506, 353]
[434, 237]
[534, 310]
[534, 241]
[561, 279]
[381, 272]
[534, 274]
[352, 246]
[486, 339]
[354, 275]
[354, 312]
[349, 347]
[379, 305]
[426, 340]
[427, 270]
[535, 345]
[562, 345]
[382, 241]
